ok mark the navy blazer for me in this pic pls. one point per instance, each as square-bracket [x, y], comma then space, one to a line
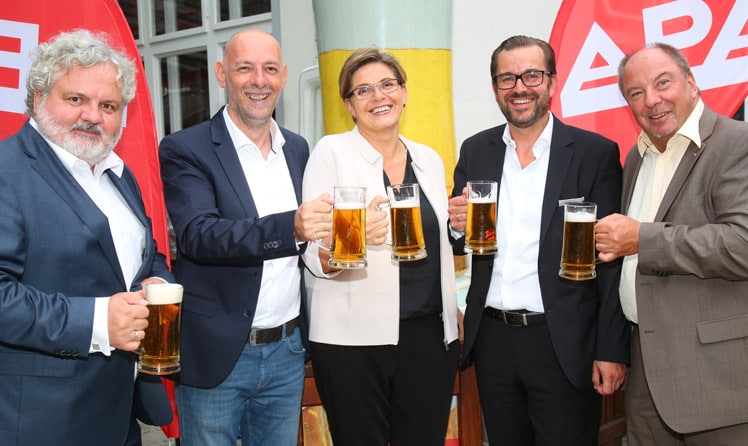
[584, 318]
[221, 243]
[56, 255]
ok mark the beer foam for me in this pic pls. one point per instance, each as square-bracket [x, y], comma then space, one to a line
[163, 293]
[349, 205]
[481, 200]
[580, 217]
[409, 203]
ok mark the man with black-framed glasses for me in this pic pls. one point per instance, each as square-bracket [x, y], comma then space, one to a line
[545, 347]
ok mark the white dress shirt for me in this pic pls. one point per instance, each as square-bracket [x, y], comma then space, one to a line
[656, 172]
[514, 280]
[272, 192]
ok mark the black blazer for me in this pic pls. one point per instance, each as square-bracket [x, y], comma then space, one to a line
[221, 243]
[584, 318]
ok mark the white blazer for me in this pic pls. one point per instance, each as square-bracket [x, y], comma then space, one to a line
[362, 306]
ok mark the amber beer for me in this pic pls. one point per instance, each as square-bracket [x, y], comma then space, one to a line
[578, 250]
[405, 223]
[159, 354]
[348, 247]
[480, 232]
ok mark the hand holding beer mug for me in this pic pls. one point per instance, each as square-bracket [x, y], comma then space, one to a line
[159, 351]
[578, 251]
[348, 247]
[480, 232]
[405, 222]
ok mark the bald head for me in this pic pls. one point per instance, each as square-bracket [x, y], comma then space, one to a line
[243, 42]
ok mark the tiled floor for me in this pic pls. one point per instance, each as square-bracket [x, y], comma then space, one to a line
[154, 436]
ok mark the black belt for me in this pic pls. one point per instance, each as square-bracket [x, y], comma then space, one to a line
[267, 335]
[517, 318]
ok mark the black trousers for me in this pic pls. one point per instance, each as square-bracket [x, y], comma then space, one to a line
[525, 396]
[397, 394]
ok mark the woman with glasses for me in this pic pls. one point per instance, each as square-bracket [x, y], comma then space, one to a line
[383, 338]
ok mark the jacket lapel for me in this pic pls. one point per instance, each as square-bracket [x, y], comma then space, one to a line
[560, 158]
[49, 167]
[295, 166]
[706, 126]
[229, 160]
[128, 188]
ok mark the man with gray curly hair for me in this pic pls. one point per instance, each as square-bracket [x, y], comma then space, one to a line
[76, 251]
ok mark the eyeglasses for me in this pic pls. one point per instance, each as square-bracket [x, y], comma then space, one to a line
[386, 86]
[531, 78]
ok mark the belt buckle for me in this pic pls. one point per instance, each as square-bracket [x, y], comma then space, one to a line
[510, 321]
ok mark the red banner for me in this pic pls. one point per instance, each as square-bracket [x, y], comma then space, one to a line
[23, 25]
[592, 36]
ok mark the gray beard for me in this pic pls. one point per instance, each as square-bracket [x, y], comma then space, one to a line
[87, 149]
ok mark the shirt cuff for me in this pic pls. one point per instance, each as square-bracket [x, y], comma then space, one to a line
[455, 234]
[100, 335]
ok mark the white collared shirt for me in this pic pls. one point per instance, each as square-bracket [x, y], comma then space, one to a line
[128, 233]
[272, 192]
[656, 172]
[514, 280]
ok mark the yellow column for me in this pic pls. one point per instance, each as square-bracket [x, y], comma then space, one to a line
[419, 34]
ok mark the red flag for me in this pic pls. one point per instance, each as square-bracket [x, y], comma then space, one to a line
[23, 25]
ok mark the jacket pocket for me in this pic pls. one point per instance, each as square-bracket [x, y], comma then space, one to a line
[718, 330]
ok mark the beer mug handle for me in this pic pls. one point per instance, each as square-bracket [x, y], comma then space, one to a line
[381, 207]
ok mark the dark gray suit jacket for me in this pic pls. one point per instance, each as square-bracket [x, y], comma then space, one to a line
[692, 282]
[584, 318]
[56, 255]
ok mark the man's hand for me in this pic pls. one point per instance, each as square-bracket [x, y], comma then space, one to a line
[313, 219]
[127, 318]
[376, 221]
[607, 377]
[458, 211]
[616, 236]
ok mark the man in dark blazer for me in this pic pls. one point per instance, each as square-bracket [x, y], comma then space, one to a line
[545, 348]
[684, 283]
[233, 188]
[76, 250]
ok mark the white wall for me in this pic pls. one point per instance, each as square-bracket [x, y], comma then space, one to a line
[479, 26]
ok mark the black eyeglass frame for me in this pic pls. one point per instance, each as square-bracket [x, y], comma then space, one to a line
[521, 77]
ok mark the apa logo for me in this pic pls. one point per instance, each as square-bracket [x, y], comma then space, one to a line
[592, 36]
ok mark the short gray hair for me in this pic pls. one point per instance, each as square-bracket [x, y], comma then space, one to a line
[83, 48]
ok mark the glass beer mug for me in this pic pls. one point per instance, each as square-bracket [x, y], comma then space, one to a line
[348, 247]
[405, 222]
[480, 232]
[159, 351]
[578, 250]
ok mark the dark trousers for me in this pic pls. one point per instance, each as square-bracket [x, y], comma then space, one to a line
[401, 395]
[525, 396]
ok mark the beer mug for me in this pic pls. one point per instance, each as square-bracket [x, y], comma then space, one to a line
[159, 351]
[578, 250]
[480, 232]
[348, 247]
[405, 222]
